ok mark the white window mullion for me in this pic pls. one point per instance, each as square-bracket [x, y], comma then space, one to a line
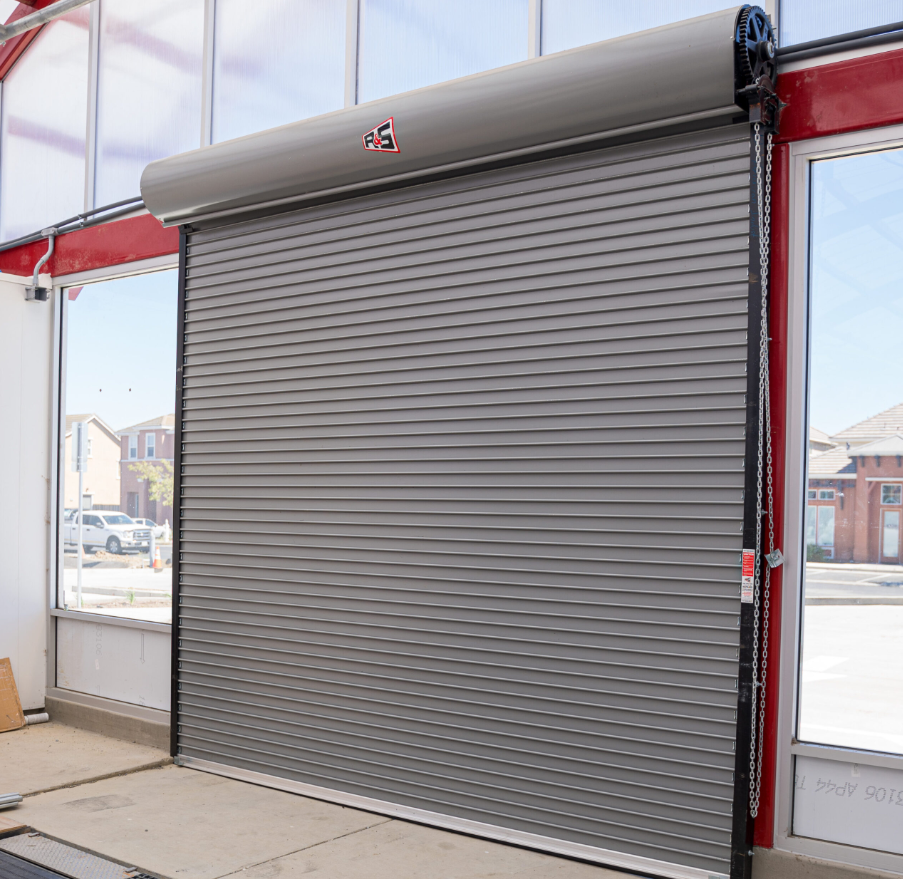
[352, 48]
[534, 29]
[91, 132]
[207, 74]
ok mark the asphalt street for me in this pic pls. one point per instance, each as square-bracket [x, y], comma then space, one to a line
[884, 583]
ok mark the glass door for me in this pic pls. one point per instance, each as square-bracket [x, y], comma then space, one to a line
[849, 723]
[890, 536]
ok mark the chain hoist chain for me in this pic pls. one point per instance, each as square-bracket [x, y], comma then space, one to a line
[764, 474]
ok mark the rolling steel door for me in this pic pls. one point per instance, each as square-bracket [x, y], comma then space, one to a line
[461, 500]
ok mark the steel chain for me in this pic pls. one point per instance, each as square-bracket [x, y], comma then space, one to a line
[764, 473]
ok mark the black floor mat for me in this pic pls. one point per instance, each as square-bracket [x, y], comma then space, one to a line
[12, 867]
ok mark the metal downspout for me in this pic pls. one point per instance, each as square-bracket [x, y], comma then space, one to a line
[34, 293]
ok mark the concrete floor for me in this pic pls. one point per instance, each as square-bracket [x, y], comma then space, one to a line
[184, 824]
[49, 755]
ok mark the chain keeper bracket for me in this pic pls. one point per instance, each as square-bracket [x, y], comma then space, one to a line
[764, 105]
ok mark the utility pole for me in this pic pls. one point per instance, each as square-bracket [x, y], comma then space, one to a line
[79, 465]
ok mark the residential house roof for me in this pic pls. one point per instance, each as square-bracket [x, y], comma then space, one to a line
[818, 439]
[167, 421]
[89, 416]
[883, 424]
[888, 445]
[834, 462]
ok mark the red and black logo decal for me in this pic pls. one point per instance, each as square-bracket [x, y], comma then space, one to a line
[382, 138]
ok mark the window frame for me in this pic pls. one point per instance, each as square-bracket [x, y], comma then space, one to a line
[800, 154]
[899, 492]
[150, 446]
[61, 283]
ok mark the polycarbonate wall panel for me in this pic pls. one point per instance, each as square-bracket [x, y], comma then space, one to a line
[462, 495]
[149, 89]
[42, 141]
[570, 23]
[7, 8]
[407, 44]
[804, 20]
[283, 63]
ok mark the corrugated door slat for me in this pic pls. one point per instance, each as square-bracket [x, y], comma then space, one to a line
[462, 495]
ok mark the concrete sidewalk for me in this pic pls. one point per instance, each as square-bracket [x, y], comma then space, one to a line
[179, 823]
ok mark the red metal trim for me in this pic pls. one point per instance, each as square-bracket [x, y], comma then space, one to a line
[849, 95]
[14, 48]
[97, 247]
[764, 827]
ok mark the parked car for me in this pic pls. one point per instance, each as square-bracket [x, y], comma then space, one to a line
[114, 532]
[150, 523]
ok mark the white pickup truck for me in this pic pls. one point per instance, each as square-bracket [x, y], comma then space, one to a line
[114, 532]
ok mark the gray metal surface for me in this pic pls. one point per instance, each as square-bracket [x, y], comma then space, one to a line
[64, 859]
[673, 71]
[462, 495]
[12, 867]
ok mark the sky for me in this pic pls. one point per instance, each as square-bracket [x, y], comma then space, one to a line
[856, 277]
[121, 349]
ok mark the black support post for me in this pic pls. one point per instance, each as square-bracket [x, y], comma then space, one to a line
[177, 503]
[741, 835]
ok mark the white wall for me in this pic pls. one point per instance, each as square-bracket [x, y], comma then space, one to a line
[114, 661]
[26, 393]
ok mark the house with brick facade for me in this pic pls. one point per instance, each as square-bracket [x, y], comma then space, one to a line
[854, 499]
[151, 441]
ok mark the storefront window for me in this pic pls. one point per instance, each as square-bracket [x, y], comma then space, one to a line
[851, 692]
[116, 533]
[407, 44]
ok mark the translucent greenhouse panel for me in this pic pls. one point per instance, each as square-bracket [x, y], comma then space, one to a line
[283, 63]
[44, 117]
[7, 8]
[407, 44]
[149, 89]
[804, 20]
[570, 23]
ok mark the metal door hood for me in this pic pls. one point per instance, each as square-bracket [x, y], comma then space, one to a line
[674, 73]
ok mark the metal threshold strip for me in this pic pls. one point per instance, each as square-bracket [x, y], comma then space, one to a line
[545, 844]
[34, 856]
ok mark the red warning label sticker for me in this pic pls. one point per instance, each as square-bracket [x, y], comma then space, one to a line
[748, 581]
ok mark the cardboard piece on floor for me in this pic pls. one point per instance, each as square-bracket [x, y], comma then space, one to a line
[9, 826]
[11, 716]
